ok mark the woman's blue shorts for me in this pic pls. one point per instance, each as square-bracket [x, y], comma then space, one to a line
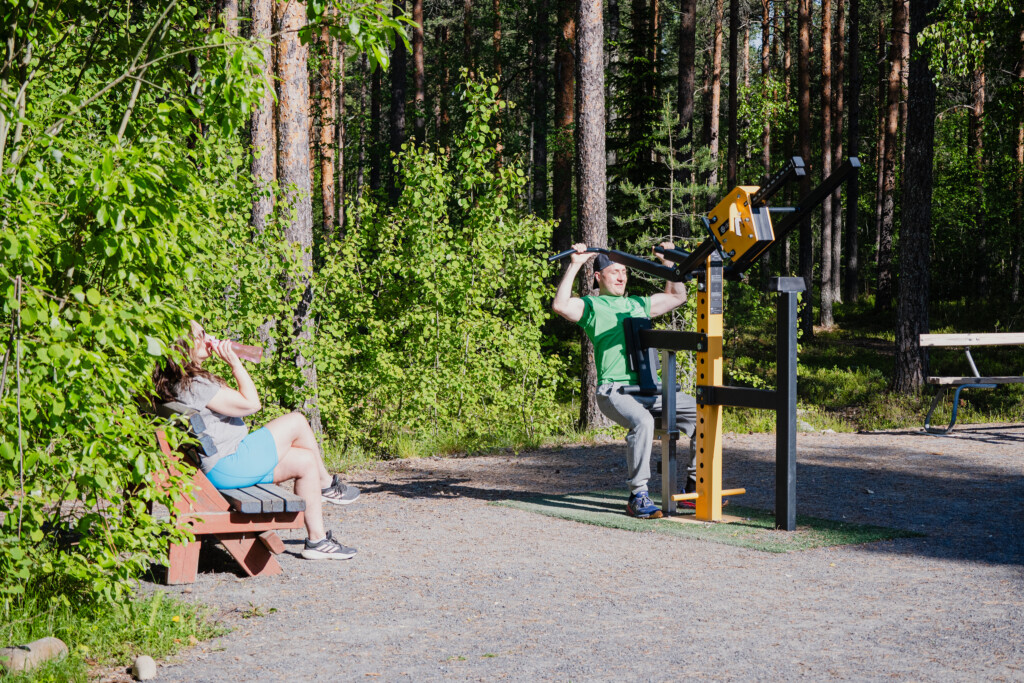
[253, 463]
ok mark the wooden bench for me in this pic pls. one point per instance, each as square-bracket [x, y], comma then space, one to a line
[243, 520]
[976, 380]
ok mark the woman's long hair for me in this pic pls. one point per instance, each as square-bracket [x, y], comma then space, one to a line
[171, 378]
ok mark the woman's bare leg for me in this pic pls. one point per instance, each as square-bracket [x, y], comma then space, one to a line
[300, 464]
[293, 431]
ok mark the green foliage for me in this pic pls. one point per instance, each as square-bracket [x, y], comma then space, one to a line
[110, 635]
[369, 27]
[958, 37]
[430, 311]
[119, 223]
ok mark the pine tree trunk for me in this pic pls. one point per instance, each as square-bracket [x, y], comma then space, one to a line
[229, 15]
[734, 83]
[915, 234]
[467, 34]
[293, 147]
[976, 152]
[496, 40]
[264, 140]
[827, 295]
[339, 135]
[590, 164]
[612, 68]
[565, 93]
[419, 74]
[327, 132]
[804, 135]
[542, 32]
[883, 88]
[716, 90]
[376, 98]
[838, 89]
[1018, 212]
[396, 115]
[766, 130]
[789, 143]
[687, 73]
[364, 76]
[852, 289]
[883, 300]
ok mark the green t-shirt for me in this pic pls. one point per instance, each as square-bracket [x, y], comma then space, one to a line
[602, 321]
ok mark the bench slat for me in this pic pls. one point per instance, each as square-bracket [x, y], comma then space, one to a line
[292, 502]
[270, 502]
[973, 339]
[242, 501]
[955, 381]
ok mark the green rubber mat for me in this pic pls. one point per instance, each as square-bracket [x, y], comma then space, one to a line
[754, 529]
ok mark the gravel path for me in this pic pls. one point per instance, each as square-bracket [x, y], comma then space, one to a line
[446, 586]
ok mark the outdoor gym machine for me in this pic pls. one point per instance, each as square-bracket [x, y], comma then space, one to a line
[740, 231]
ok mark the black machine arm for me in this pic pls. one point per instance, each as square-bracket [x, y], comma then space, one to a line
[628, 260]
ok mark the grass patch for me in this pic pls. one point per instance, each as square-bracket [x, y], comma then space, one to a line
[103, 636]
[756, 530]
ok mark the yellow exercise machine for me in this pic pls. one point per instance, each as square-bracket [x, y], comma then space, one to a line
[740, 231]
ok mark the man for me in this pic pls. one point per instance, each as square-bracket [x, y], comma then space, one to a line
[601, 318]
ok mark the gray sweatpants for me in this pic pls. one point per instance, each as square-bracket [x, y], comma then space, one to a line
[632, 411]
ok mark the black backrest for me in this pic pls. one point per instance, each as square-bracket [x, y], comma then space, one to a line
[642, 361]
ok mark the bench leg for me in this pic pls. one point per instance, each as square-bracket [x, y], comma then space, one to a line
[183, 563]
[956, 405]
[251, 554]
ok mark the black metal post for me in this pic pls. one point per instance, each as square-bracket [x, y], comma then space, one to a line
[670, 435]
[785, 391]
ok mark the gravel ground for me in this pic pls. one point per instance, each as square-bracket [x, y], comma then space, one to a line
[447, 586]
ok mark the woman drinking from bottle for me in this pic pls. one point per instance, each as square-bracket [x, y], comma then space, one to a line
[285, 448]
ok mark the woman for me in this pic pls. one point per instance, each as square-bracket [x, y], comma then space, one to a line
[284, 449]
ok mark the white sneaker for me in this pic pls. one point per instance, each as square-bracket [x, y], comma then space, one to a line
[327, 549]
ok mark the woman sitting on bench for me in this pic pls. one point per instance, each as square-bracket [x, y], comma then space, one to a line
[283, 449]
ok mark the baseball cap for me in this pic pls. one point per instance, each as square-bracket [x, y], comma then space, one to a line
[601, 262]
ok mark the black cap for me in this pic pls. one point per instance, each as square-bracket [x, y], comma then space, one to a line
[601, 262]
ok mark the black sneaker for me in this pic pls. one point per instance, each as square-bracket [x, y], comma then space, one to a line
[327, 549]
[339, 493]
[641, 506]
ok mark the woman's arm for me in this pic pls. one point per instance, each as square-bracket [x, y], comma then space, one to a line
[235, 403]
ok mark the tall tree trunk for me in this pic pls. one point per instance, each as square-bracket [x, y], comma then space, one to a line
[1018, 212]
[827, 294]
[734, 83]
[467, 33]
[327, 132]
[716, 90]
[565, 93]
[853, 188]
[687, 72]
[364, 76]
[883, 88]
[804, 113]
[837, 149]
[541, 35]
[339, 135]
[264, 140]
[912, 306]
[591, 178]
[376, 97]
[789, 143]
[419, 74]
[612, 68]
[229, 15]
[397, 113]
[976, 152]
[293, 173]
[496, 40]
[443, 118]
[883, 300]
[766, 129]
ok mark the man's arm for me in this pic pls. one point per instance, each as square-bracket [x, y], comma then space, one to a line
[674, 295]
[571, 307]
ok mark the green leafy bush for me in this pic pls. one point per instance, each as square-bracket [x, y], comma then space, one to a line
[430, 312]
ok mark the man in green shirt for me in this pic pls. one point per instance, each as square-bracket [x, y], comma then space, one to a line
[601, 318]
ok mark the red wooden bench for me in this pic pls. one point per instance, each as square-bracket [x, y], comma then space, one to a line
[242, 520]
